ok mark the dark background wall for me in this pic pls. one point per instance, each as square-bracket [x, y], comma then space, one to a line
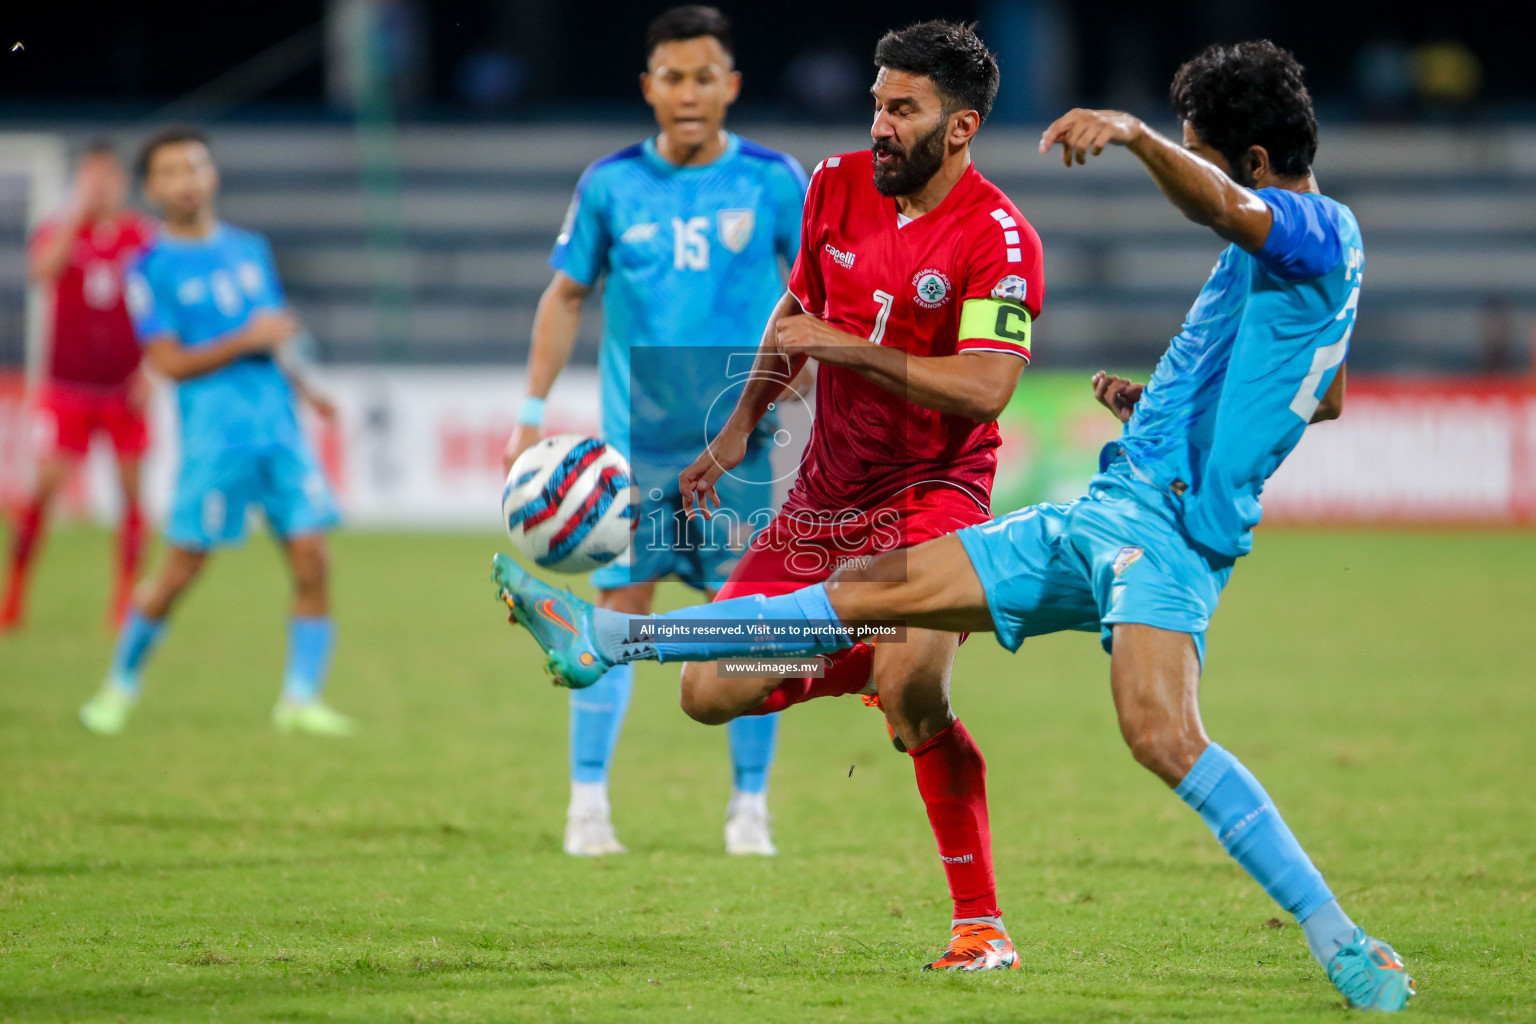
[587, 55]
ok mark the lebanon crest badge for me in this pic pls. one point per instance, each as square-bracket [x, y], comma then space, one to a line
[736, 228]
[933, 288]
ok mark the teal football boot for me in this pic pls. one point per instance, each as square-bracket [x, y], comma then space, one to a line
[560, 621]
[1370, 974]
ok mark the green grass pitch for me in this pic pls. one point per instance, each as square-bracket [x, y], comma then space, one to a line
[201, 868]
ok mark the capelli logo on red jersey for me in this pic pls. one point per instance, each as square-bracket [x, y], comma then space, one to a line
[842, 259]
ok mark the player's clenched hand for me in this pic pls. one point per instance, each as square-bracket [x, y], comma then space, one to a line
[1086, 132]
[806, 335]
[267, 331]
[1116, 394]
[524, 437]
[697, 483]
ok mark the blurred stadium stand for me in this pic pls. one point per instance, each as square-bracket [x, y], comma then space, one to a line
[456, 242]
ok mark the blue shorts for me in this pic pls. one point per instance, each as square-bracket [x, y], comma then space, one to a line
[1117, 555]
[701, 554]
[215, 490]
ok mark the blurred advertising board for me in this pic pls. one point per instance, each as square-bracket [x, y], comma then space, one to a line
[421, 448]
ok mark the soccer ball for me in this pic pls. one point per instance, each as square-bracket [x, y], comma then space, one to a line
[571, 503]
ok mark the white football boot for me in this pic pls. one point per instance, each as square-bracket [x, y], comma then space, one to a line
[746, 826]
[588, 824]
[591, 835]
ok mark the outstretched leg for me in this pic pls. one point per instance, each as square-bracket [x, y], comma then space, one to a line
[930, 586]
[1155, 676]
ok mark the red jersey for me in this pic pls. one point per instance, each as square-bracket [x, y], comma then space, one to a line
[966, 276]
[92, 340]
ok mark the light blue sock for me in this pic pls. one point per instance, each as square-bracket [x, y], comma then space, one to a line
[1327, 929]
[1243, 817]
[753, 738]
[597, 715]
[138, 639]
[806, 607]
[311, 639]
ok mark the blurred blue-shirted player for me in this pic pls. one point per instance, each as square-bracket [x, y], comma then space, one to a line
[210, 313]
[1143, 558]
[691, 229]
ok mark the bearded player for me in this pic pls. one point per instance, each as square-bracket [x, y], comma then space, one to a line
[94, 383]
[1143, 558]
[915, 291]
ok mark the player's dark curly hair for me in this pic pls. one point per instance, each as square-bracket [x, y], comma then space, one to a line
[165, 137]
[1249, 94]
[952, 54]
[692, 21]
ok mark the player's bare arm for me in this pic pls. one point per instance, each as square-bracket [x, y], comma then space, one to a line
[316, 399]
[773, 370]
[98, 192]
[976, 385]
[50, 255]
[1119, 396]
[1201, 188]
[555, 323]
[265, 333]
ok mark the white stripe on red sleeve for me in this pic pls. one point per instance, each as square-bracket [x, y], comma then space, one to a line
[993, 345]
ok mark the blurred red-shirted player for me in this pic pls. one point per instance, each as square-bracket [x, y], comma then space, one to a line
[93, 380]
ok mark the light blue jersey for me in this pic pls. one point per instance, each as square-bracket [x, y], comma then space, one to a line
[1155, 540]
[201, 290]
[1238, 385]
[693, 259]
[694, 262]
[241, 444]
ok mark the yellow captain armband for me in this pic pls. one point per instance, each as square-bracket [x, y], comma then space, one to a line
[993, 320]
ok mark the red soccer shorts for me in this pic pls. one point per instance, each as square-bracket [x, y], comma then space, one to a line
[798, 548]
[69, 416]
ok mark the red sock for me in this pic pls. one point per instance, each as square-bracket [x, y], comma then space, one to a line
[29, 527]
[952, 778]
[130, 544]
[847, 673]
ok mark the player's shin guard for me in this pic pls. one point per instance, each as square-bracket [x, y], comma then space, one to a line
[1244, 819]
[952, 778]
[311, 640]
[597, 715]
[807, 607]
